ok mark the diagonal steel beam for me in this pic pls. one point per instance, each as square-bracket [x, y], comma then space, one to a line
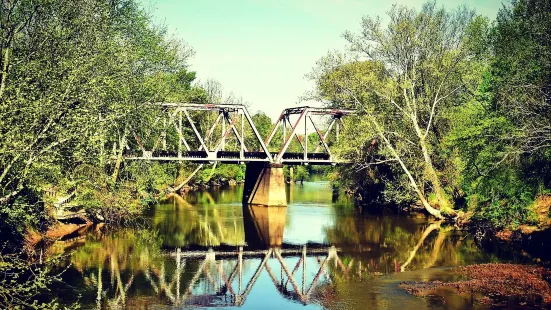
[294, 271]
[274, 130]
[195, 277]
[195, 130]
[289, 276]
[286, 145]
[257, 135]
[296, 134]
[322, 139]
[274, 280]
[232, 125]
[234, 272]
[255, 277]
[227, 283]
[181, 135]
[326, 134]
[236, 133]
[324, 270]
[318, 274]
[211, 130]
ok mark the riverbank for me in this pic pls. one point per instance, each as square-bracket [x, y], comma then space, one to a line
[373, 247]
[500, 285]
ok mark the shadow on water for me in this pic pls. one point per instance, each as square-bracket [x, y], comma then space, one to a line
[206, 249]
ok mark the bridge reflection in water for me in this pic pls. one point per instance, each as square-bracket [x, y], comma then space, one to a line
[223, 276]
[220, 288]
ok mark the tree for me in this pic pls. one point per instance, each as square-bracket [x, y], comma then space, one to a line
[409, 73]
[263, 123]
[502, 135]
[520, 75]
[75, 80]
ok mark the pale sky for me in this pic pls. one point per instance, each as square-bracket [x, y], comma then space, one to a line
[261, 50]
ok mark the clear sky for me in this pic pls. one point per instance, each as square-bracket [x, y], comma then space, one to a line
[261, 50]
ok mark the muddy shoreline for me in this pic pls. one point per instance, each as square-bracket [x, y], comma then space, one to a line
[502, 285]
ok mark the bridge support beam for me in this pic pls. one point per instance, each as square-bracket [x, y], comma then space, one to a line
[264, 185]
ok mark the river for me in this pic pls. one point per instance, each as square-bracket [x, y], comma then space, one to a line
[187, 254]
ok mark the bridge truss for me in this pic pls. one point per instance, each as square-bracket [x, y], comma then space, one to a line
[234, 124]
[304, 117]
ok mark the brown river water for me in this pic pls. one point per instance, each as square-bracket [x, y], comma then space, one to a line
[207, 250]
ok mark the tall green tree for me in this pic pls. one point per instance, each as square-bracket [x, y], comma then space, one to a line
[405, 76]
[502, 135]
[75, 80]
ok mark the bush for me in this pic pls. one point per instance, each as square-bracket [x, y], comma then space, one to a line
[23, 282]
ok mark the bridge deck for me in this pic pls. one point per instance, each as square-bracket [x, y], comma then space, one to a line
[235, 157]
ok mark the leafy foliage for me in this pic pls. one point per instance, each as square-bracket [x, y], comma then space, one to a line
[22, 282]
[453, 109]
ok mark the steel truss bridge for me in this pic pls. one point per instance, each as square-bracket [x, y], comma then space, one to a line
[221, 279]
[233, 137]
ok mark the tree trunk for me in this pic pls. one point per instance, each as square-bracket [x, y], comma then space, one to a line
[122, 144]
[434, 212]
[3, 79]
[443, 202]
[177, 188]
[6, 199]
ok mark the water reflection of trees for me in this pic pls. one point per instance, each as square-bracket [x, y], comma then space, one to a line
[389, 243]
[206, 222]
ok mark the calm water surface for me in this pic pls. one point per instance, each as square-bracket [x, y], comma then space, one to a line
[319, 252]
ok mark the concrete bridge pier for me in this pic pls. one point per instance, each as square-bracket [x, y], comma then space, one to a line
[264, 185]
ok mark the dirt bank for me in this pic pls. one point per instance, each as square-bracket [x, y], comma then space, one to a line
[492, 284]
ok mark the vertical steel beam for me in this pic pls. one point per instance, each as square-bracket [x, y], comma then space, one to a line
[242, 148]
[337, 131]
[180, 136]
[240, 264]
[223, 138]
[304, 267]
[284, 124]
[306, 136]
[178, 272]
[164, 134]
